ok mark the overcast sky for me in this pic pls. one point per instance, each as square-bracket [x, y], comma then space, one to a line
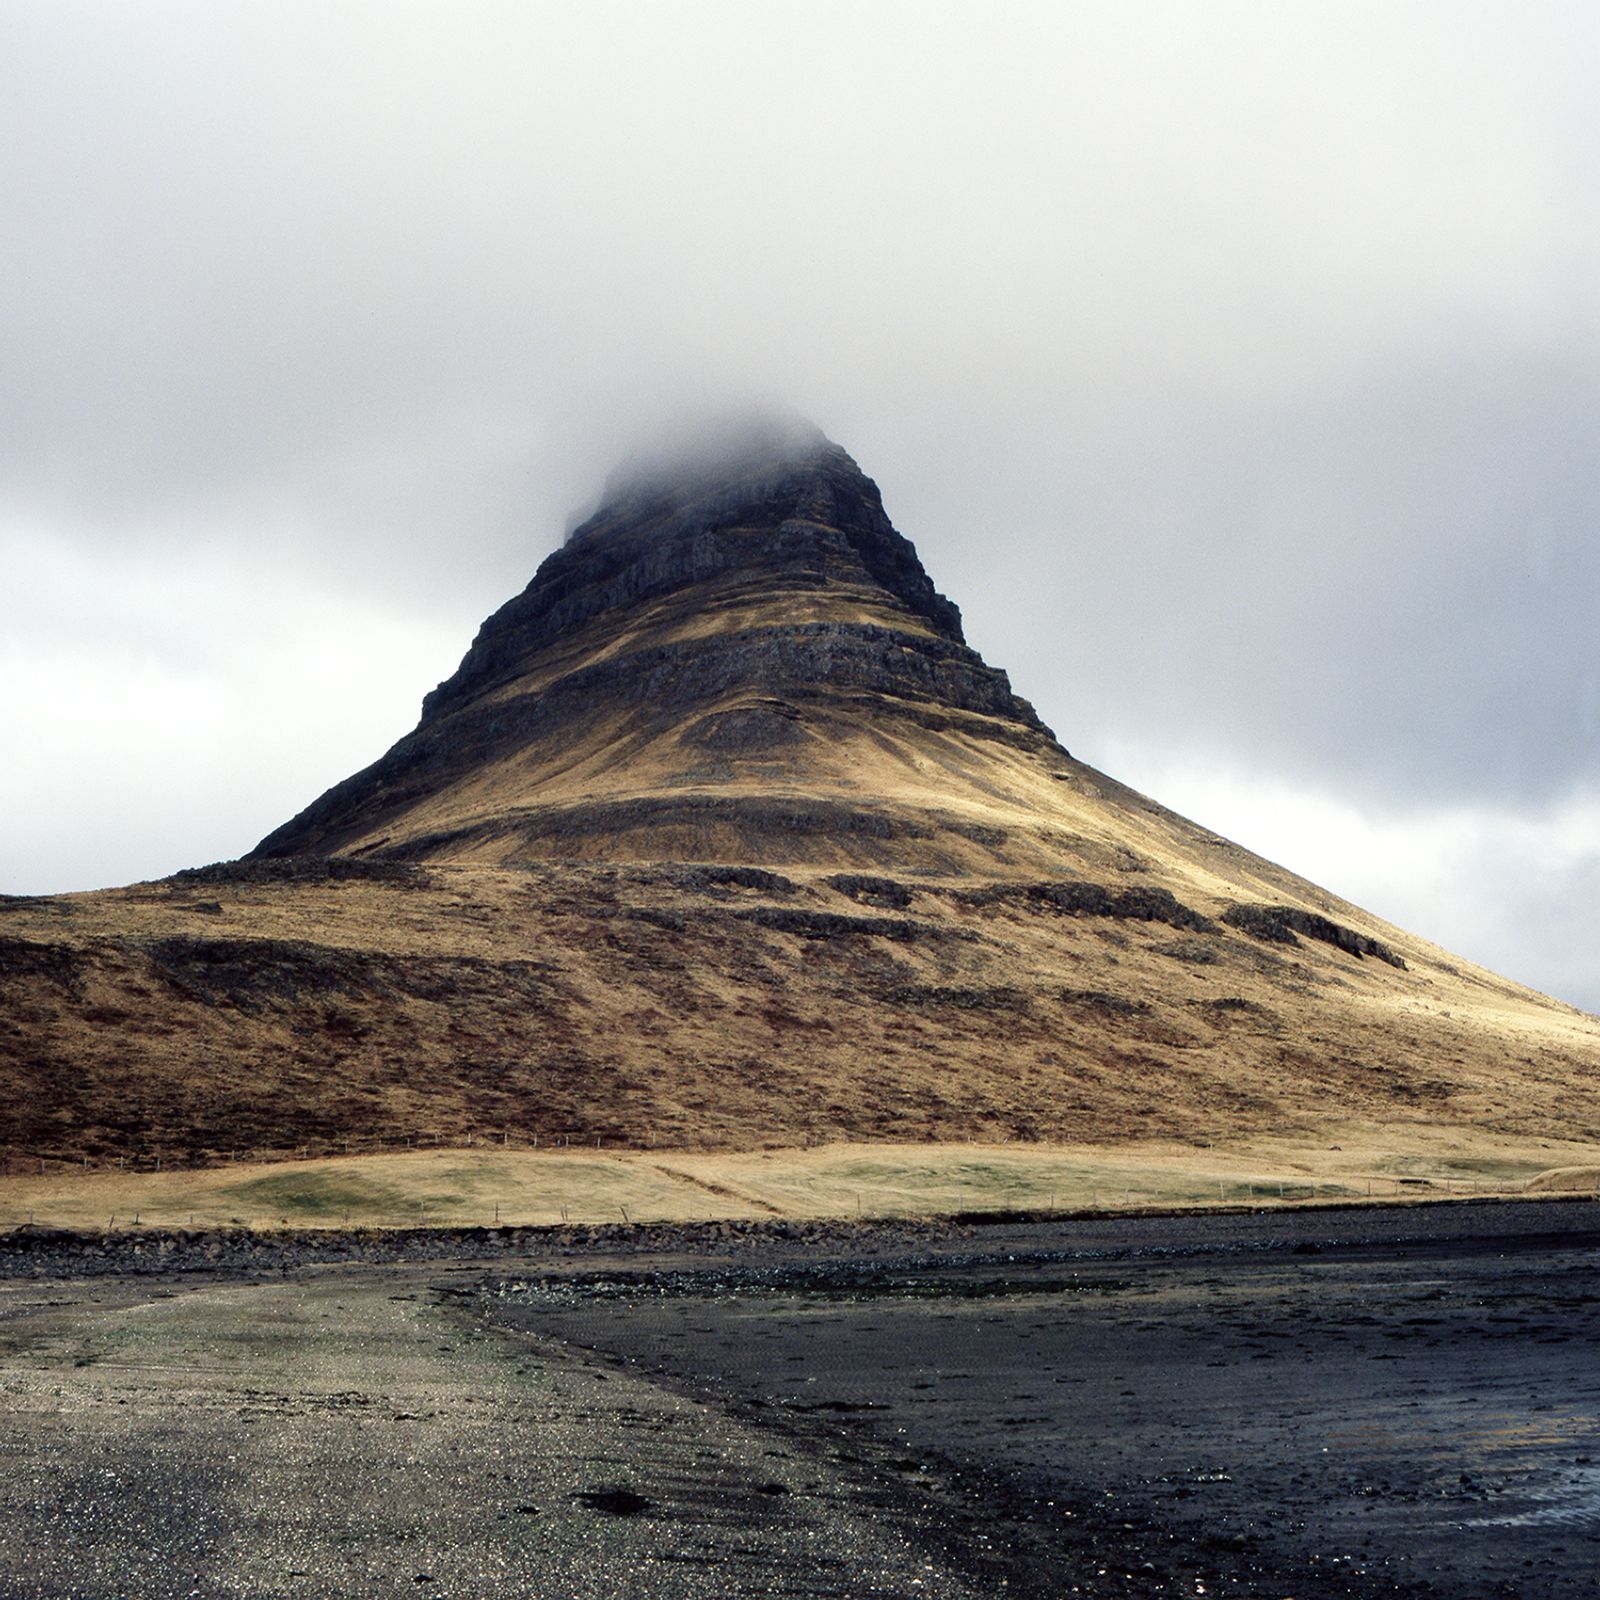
[1235, 367]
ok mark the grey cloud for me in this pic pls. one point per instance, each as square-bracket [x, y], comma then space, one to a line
[1545, 935]
[1392, 588]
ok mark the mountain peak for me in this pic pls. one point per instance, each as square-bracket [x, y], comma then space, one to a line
[701, 488]
[738, 627]
[758, 504]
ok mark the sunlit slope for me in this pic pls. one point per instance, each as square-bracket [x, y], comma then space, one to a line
[281, 1005]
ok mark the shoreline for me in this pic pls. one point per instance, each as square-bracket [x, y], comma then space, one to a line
[36, 1250]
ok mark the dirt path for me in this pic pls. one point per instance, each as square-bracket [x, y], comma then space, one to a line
[349, 1435]
[723, 1191]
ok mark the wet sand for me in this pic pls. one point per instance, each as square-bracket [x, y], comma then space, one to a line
[1373, 1402]
[1365, 1403]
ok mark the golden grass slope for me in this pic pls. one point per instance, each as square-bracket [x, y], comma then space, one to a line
[712, 765]
[276, 1007]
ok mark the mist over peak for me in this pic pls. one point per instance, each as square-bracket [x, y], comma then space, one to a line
[678, 460]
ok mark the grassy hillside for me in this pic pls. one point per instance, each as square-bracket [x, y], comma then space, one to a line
[265, 1009]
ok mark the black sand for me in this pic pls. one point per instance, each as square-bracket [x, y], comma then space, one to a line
[1357, 1403]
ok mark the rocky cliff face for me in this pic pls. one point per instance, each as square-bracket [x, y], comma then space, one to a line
[782, 516]
[717, 635]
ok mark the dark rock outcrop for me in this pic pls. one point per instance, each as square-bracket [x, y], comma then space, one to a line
[28, 958]
[797, 511]
[1082, 899]
[1280, 924]
[871, 891]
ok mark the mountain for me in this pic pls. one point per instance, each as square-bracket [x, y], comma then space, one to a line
[722, 834]
[735, 659]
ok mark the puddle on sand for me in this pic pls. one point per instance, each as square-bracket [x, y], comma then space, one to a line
[1482, 1444]
[1572, 1500]
[1538, 1467]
